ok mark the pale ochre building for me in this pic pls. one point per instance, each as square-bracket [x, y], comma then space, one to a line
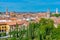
[4, 28]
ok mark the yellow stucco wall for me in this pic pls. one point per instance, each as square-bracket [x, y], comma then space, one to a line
[5, 27]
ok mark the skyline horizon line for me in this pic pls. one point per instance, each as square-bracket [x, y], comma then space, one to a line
[42, 10]
[33, 12]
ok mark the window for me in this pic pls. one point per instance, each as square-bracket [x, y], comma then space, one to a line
[5, 26]
[0, 30]
[2, 26]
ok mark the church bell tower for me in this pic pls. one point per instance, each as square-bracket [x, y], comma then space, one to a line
[56, 10]
[6, 11]
[48, 12]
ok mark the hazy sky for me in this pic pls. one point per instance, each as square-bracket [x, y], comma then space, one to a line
[29, 5]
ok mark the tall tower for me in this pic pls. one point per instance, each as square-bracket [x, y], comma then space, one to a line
[56, 10]
[48, 12]
[6, 11]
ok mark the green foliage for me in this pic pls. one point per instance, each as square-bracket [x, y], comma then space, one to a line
[2, 34]
[44, 30]
[56, 15]
[46, 27]
[56, 33]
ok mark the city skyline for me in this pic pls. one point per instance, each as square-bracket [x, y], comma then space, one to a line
[29, 5]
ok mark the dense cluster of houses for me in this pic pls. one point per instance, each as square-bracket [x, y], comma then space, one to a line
[10, 19]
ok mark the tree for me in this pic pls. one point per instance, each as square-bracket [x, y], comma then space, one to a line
[56, 15]
[56, 33]
[46, 27]
[44, 30]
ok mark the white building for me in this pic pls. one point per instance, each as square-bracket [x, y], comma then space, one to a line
[56, 10]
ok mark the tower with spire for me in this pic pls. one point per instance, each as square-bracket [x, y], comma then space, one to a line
[6, 11]
[56, 10]
[48, 12]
